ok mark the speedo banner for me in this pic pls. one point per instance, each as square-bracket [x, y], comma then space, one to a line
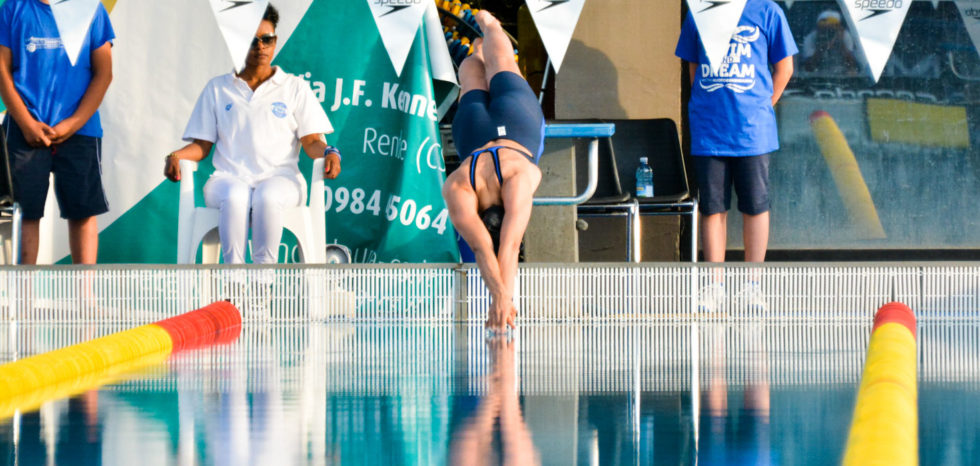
[877, 23]
[385, 206]
[387, 203]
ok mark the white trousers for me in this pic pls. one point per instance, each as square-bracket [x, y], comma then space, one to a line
[265, 201]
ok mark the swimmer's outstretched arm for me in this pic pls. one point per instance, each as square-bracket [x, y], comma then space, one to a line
[518, 197]
[463, 206]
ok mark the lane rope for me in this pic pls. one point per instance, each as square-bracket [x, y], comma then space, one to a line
[29, 382]
[885, 425]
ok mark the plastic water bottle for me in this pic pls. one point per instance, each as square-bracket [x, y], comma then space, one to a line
[644, 179]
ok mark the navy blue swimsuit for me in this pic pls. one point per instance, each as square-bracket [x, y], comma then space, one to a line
[509, 110]
[496, 162]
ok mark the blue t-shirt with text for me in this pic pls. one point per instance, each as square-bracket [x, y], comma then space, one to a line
[730, 110]
[45, 79]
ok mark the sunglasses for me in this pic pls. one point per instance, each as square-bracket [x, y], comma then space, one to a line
[267, 39]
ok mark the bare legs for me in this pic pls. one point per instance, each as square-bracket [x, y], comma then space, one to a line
[714, 233]
[491, 54]
[498, 52]
[83, 240]
[30, 232]
[755, 232]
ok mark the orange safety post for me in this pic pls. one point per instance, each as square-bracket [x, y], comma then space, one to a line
[884, 429]
[29, 382]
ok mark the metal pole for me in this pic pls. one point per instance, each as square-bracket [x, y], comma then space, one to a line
[15, 227]
[589, 188]
[694, 232]
[544, 80]
[695, 387]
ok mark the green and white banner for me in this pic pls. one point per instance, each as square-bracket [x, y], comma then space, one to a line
[386, 205]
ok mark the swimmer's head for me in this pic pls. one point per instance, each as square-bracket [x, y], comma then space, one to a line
[493, 219]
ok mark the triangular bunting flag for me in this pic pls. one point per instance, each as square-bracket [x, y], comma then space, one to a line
[290, 14]
[935, 4]
[970, 11]
[73, 19]
[877, 28]
[440, 63]
[789, 4]
[716, 21]
[397, 23]
[238, 20]
[555, 20]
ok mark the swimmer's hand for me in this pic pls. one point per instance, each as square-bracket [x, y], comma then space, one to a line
[501, 315]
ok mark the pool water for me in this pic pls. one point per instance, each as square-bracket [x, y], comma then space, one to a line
[748, 392]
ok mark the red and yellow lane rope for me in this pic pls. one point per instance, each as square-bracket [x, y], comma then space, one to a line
[884, 429]
[29, 382]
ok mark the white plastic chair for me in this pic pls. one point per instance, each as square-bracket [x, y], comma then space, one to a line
[196, 225]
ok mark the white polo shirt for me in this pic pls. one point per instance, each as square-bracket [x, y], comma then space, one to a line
[256, 134]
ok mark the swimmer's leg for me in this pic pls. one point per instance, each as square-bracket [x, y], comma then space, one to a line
[498, 51]
[472, 72]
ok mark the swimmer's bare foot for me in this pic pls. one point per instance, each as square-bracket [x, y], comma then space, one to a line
[486, 20]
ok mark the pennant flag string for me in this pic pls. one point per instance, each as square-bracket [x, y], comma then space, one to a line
[291, 12]
[717, 21]
[73, 20]
[555, 21]
[877, 29]
[398, 24]
[238, 20]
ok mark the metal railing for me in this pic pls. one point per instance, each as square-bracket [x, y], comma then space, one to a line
[592, 131]
[612, 292]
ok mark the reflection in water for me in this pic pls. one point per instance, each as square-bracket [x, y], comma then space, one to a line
[239, 426]
[497, 414]
[742, 436]
[571, 393]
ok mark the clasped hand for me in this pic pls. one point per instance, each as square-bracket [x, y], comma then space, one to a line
[39, 134]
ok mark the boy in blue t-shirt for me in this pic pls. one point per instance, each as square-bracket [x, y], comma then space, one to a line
[733, 125]
[52, 122]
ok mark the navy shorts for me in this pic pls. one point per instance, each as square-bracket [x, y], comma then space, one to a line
[717, 175]
[77, 167]
[509, 110]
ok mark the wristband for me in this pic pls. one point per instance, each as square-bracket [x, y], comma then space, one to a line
[332, 149]
[172, 155]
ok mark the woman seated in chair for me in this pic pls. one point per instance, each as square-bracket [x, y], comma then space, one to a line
[256, 120]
